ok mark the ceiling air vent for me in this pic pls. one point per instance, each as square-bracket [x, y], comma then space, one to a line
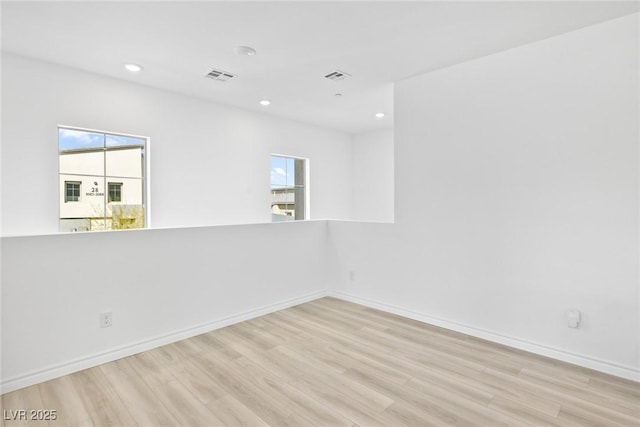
[221, 76]
[337, 75]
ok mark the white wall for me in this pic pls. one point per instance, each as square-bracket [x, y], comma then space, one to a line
[373, 176]
[160, 285]
[209, 163]
[517, 198]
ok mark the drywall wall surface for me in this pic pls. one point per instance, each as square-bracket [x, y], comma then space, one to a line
[209, 163]
[517, 197]
[156, 284]
[373, 176]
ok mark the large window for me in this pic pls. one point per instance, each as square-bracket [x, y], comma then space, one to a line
[89, 161]
[288, 188]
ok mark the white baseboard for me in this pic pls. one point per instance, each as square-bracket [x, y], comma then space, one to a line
[80, 364]
[622, 371]
[70, 367]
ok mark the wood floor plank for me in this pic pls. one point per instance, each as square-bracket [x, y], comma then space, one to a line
[303, 406]
[233, 413]
[342, 401]
[143, 405]
[525, 414]
[334, 381]
[201, 385]
[26, 399]
[184, 407]
[333, 363]
[252, 395]
[62, 395]
[103, 403]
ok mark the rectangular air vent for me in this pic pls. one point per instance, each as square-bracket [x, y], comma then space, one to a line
[337, 75]
[220, 75]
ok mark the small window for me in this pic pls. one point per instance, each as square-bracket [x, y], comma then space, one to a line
[115, 192]
[71, 191]
[288, 189]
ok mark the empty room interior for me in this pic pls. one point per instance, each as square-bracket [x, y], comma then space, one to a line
[320, 213]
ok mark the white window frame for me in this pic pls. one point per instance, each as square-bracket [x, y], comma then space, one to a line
[307, 182]
[147, 164]
[66, 194]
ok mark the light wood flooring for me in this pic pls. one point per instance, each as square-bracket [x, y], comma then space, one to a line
[333, 363]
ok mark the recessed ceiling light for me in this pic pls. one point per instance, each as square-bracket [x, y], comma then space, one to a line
[245, 50]
[379, 115]
[134, 68]
[265, 102]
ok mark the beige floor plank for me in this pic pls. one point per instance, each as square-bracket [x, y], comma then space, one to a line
[119, 367]
[62, 395]
[590, 400]
[419, 415]
[452, 400]
[316, 376]
[584, 417]
[524, 414]
[153, 370]
[184, 407]
[465, 391]
[233, 413]
[304, 406]
[346, 403]
[213, 346]
[201, 385]
[618, 389]
[285, 330]
[143, 405]
[427, 404]
[101, 400]
[510, 387]
[307, 349]
[166, 355]
[481, 357]
[582, 400]
[253, 396]
[189, 347]
[330, 317]
[273, 362]
[331, 362]
[26, 399]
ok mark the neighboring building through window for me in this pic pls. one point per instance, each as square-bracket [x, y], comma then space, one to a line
[288, 188]
[71, 191]
[89, 161]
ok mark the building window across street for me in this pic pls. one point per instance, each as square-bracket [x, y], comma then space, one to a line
[105, 174]
[71, 191]
[288, 188]
[115, 192]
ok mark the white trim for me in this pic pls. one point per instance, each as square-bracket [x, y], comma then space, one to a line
[628, 372]
[55, 371]
[76, 365]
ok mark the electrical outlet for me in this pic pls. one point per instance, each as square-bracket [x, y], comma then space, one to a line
[573, 318]
[352, 275]
[106, 320]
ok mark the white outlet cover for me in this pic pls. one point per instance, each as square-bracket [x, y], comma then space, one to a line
[106, 320]
[573, 318]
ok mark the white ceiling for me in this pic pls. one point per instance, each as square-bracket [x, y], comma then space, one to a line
[379, 43]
